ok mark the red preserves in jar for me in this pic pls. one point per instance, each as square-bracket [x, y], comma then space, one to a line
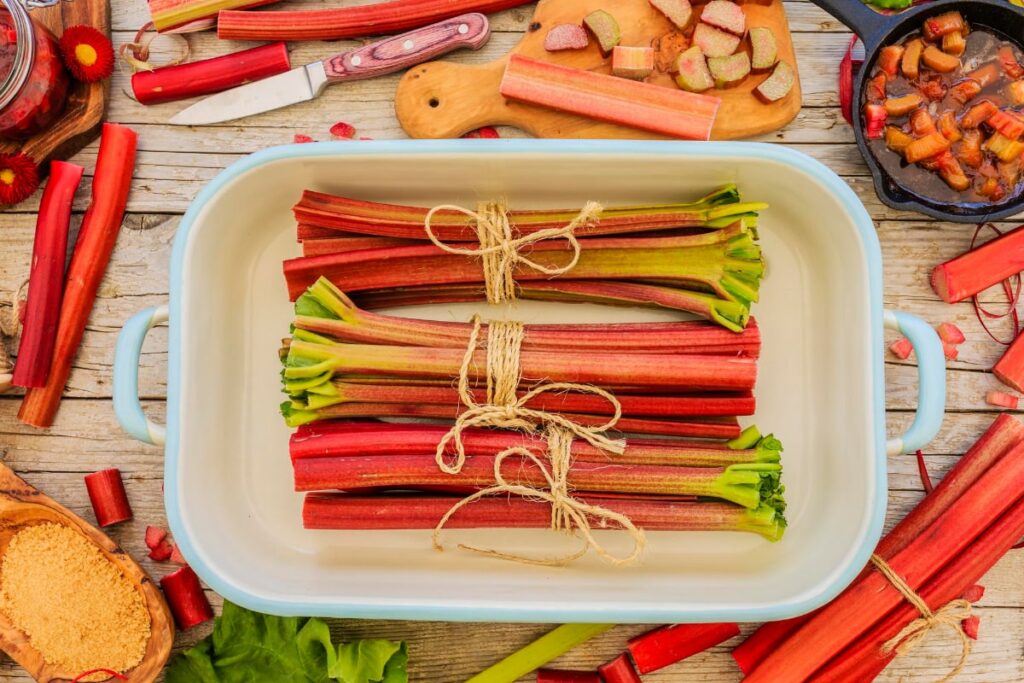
[33, 81]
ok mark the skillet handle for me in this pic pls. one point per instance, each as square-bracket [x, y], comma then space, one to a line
[931, 377]
[126, 376]
[861, 19]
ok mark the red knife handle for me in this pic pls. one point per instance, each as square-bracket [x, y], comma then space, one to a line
[408, 49]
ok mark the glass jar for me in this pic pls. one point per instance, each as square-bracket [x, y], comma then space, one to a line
[35, 82]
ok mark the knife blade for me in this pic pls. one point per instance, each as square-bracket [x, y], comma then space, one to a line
[308, 82]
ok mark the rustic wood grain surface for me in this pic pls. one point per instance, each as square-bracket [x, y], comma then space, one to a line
[174, 163]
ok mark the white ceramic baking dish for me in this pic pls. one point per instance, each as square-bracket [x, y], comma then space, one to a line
[821, 389]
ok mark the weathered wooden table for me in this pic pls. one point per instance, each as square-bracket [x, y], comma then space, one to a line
[174, 163]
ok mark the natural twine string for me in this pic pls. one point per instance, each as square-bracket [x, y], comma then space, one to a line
[501, 251]
[505, 410]
[951, 615]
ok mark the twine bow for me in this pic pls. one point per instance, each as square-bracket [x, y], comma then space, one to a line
[951, 615]
[501, 251]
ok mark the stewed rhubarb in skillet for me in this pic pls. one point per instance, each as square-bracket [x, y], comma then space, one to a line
[943, 113]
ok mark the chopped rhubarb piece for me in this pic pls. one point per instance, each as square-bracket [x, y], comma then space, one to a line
[714, 42]
[951, 171]
[985, 75]
[779, 84]
[162, 551]
[154, 536]
[950, 351]
[969, 149]
[938, 26]
[693, 74]
[992, 189]
[616, 100]
[632, 62]
[874, 120]
[1015, 92]
[876, 86]
[1009, 171]
[566, 37]
[902, 348]
[728, 71]
[605, 29]
[933, 88]
[1010, 368]
[965, 91]
[978, 114]
[301, 138]
[889, 58]
[925, 148]
[726, 15]
[911, 62]
[901, 106]
[560, 676]
[186, 598]
[950, 333]
[948, 126]
[1001, 399]
[974, 593]
[896, 139]
[1003, 147]
[343, 130]
[176, 557]
[937, 60]
[954, 43]
[970, 626]
[676, 11]
[108, 497]
[619, 670]
[1008, 60]
[922, 123]
[667, 645]
[1007, 123]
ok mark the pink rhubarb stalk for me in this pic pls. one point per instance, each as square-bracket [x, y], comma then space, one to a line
[977, 270]
[667, 645]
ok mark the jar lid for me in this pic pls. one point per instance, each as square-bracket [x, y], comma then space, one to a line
[24, 55]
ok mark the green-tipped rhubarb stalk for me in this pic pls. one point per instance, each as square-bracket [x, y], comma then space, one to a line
[325, 310]
[749, 484]
[717, 209]
[725, 262]
[347, 511]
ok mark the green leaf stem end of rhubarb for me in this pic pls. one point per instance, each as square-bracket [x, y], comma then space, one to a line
[748, 438]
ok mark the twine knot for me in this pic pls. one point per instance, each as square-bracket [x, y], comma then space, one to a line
[913, 634]
[501, 251]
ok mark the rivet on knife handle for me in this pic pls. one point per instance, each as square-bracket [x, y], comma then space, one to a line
[408, 49]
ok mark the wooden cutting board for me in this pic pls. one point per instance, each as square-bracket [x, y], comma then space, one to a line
[87, 102]
[445, 100]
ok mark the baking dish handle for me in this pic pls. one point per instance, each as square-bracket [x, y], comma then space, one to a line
[931, 377]
[127, 406]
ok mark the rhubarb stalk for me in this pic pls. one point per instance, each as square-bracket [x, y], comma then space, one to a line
[186, 598]
[207, 76]
[170, 14]
[541, 651]
[977, 270]
[619, 670]
[96, 238]
[108, 497]
[667, 645]
[46, 281]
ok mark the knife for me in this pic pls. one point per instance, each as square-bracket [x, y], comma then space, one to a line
[307, 82]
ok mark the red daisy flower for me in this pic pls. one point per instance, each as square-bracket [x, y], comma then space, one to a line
[19, 177]
[87, 53]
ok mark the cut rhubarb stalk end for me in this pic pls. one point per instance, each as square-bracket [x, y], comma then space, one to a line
[108, 497]
[676, 11]
[605, 29]
[729, 71]
[971, 625]
[345, 131]
[632, 62]
[155, 536]
[714, 42]
[950, 351]
[186, 598]
[692, 73]
[778, 85]
[1001, 399]
[726, 15]
[950, 333]
[162, 551]
[974, 593]
[668, 645]
[764, 50]
[566, 37]
[619, 670]
[901, 348]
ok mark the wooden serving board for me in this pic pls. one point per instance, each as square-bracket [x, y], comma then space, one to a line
[22, 505]
[445, 100]
[87, 102]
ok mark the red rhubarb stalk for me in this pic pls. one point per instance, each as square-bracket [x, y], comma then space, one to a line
[96, 239]
[207, 76]
[667, 645]
[108, 497]
[998, 439]
[46, 281]
[977, 270]
[349, 22]
[668, 111]
[1010, 368]
[841, 622]
[171, 14]
[1001, 399]
[186, 598]
[619, 670]
[337, 245]
[564, 676]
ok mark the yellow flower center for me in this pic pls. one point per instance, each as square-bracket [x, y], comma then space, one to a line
[7, 176]
[85, 54]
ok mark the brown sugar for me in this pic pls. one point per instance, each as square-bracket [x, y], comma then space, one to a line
[76, 608]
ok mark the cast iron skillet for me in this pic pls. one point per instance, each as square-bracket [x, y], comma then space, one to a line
[877, 30]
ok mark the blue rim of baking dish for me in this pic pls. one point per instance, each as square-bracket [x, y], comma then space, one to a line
[428, 609]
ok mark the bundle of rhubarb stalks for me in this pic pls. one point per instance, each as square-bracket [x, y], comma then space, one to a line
[679, 385]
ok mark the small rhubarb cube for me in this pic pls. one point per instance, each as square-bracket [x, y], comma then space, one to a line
[1001, 399]
[632, 62]
[155, 536]
[162, 552]
[950, 351]
[974, 593]
[176, 557]
[902, 348]
[950, 333]
[970, 626]
[343, 130]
